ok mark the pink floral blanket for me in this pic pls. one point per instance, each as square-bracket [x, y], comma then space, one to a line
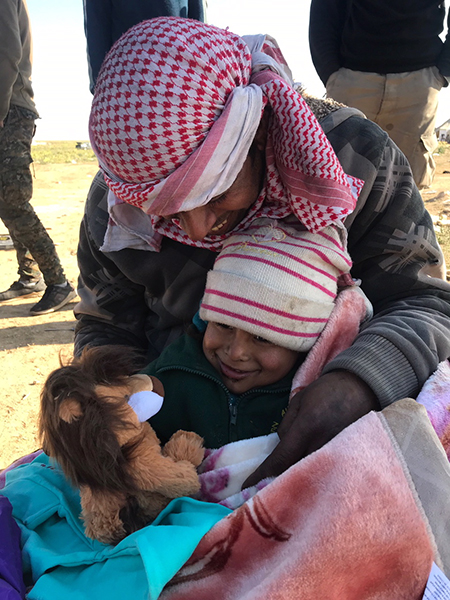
[352, 521]
[435, 396]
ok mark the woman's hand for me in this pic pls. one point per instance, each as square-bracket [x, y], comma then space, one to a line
[315, 415]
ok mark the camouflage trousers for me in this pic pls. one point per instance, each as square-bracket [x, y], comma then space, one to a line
[34, 248]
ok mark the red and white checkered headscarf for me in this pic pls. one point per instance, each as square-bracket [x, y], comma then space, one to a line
[176, 108]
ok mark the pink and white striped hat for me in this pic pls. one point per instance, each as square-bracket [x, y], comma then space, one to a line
[277, 282]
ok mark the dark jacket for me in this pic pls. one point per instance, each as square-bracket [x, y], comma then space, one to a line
[197, 400]
[143, 299]
[15, 57]
[106, 20]
[386, 36]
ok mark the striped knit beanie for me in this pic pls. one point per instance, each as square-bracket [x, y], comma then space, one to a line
[277, 282]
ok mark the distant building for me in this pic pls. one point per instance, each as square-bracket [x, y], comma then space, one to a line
[443, 132]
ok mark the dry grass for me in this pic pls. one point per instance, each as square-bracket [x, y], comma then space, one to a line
[61, 152]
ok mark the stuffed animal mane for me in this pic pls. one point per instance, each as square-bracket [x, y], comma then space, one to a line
[88, 427]
[73, 441]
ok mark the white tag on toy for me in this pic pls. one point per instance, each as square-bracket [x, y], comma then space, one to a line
[438, 586]
[145, 404]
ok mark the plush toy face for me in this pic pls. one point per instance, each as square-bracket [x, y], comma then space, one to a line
[143, 393]
[137, 396]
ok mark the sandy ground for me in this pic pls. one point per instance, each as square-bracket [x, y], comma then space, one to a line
[30, 346]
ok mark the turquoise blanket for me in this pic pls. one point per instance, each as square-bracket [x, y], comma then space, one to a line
[61, 562]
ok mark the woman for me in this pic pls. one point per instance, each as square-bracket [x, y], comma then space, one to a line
[198, 132]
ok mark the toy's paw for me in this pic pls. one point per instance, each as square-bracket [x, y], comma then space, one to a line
[100, 514]
[151, 504]
[107, 533]
[185, 445]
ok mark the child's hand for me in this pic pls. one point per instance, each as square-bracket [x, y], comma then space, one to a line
[315, 415]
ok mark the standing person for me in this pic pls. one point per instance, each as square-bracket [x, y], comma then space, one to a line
[198, 133]
[35, 250]
[386, 59]
[106, 20]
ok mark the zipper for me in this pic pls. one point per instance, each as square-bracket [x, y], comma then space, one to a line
[233, 401]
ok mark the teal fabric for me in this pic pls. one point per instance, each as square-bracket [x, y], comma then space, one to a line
[61, 562]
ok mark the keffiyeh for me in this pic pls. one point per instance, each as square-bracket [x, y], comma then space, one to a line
[176, 108]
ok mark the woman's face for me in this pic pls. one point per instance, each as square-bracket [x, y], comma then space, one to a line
[224, 212]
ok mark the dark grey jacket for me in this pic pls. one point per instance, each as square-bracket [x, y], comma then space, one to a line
[15, 57]
[144, 299]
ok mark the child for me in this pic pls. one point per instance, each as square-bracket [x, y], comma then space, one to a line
[267, 300]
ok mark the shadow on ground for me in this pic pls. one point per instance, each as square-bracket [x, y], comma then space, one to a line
[35, 332]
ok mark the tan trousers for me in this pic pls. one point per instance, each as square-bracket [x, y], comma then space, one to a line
[403, 104]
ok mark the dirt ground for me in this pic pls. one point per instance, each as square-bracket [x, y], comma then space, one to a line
[30, 346]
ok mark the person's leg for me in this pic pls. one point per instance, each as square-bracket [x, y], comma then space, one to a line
[28, 268]
[364, 91]
[30, 238]
[12, 184]
[16, 211]
[403, 104]
[17, 214]
[30, 278]
[408, 114]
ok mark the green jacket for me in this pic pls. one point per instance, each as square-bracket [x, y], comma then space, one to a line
[197, 400]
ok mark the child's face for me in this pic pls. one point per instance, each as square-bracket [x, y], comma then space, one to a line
[245, 361]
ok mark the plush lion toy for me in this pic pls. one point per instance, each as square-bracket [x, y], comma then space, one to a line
[89, 423]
